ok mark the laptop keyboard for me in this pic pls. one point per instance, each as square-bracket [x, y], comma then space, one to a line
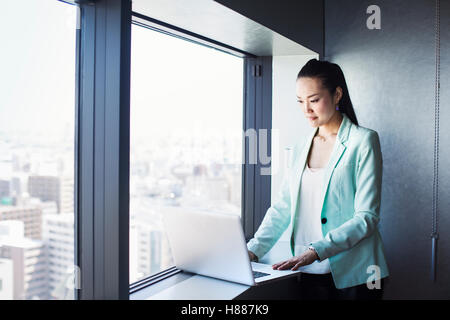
[257, 274]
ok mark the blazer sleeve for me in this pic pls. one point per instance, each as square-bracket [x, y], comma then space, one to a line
[276, 220]
[367, 202]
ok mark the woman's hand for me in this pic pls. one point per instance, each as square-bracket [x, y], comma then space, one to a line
[307, 257]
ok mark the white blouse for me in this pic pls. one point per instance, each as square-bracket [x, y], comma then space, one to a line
[309, 225]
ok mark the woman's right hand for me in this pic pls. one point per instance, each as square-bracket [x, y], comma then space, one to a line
[252, 256]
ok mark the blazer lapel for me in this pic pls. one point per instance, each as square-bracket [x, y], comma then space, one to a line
[338, 150]
[298, 172]
[299, 166]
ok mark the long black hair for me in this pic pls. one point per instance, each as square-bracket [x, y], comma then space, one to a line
[332, 77]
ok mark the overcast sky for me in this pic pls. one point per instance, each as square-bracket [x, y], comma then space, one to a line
[37, 78]
[37, 65]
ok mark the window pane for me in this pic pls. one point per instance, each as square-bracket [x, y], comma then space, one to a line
[186, 132]
[37, 90]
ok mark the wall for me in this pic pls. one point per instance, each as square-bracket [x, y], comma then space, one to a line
[288, 119]
[390, 74]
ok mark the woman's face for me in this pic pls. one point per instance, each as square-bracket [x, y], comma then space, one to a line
[316, 102]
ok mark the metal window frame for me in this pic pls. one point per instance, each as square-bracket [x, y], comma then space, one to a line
[102, 149]
[174, 31]
[256, 193]
[102, 146]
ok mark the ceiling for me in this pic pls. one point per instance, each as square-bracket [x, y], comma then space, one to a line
[215, 21]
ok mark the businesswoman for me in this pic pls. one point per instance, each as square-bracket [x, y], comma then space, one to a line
[330, 195]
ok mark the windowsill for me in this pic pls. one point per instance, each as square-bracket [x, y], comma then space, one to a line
[189, 286]
[154, 289]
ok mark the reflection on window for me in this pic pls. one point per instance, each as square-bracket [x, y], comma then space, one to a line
[37, 90]
[186, 132]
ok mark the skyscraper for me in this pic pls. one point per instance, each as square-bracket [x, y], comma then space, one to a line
[6, 279]
[30, 270]
[53, 188]
[5, 188]
[58, 238]
[30, 215]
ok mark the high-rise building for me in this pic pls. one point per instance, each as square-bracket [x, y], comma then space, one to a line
[45, 188]
[152, 248]
[47, 207]
[30, 215]
[5, 188]
[234, 179]
[58, 237]
[134, 275]
[11, 228]
[30, 267]
[6, 279]
[19, 184]
[66, 195]
[53, 188]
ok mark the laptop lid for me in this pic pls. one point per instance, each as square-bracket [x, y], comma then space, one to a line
[210, 244]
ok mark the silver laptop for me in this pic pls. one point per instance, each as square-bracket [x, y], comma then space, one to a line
[213, 244]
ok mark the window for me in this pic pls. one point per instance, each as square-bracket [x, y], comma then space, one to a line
[185, 139]
[37, 116]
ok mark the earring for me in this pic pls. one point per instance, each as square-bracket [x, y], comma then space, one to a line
[337, 107]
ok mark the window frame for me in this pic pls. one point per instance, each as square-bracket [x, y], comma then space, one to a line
[102, 149]
[102, 146]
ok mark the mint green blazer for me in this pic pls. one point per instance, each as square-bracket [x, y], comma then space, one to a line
[350, 207]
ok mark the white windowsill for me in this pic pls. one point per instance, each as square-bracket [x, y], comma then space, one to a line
[188, 286]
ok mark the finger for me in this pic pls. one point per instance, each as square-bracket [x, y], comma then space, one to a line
[285, 265]
[276, 265]
[298, 265]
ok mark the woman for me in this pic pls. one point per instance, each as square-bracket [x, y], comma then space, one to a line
[331, 195]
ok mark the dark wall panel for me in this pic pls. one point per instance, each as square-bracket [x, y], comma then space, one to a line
[300, 20]
[390, 74]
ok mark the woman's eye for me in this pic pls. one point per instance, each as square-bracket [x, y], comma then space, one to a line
[315, 100]
[299, 101]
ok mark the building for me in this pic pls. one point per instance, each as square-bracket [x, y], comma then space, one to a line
[29, 279]
[58, 238]
[5, 188]
[11, 229]
[53, 188]
[67, 195]
[150, 249]
[30, 215]
[6, 279]
[234, 180]
[19, 184]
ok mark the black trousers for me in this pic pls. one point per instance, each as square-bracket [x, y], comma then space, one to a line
[321, 287]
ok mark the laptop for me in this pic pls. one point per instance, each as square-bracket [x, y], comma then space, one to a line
[213, 244]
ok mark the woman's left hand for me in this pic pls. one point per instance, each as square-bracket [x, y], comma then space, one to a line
[306, 258]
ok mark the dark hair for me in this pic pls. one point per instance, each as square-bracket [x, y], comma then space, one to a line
[332, 77]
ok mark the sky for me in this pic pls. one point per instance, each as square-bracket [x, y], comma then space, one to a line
[37, 63]
[173, 82]
[182, 84]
